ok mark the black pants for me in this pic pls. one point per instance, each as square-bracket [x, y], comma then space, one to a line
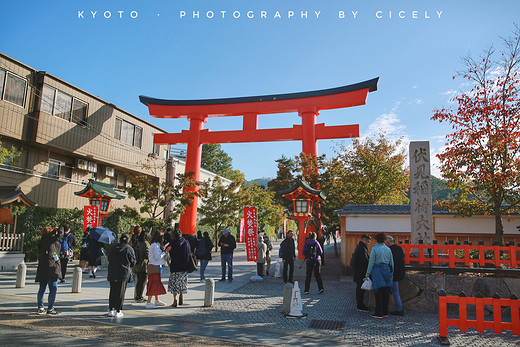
[360, 295]
[260, 269]
[63, 263]
[117, 295]
[288, 265]
[140, 283]
[313, 266]
[382, 300]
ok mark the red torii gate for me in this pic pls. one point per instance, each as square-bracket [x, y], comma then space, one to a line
[307, 104]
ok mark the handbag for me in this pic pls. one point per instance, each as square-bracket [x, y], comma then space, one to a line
[367, 284]
[152, 269]
[192, 263]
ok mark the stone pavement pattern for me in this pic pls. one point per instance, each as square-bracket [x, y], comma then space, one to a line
[245, 313]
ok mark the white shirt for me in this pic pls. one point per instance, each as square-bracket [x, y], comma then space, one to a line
[155, 255]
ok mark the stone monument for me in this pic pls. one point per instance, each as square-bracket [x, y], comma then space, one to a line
[420, 192]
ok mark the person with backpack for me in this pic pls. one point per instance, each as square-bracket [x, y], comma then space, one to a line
[312, 252]
[203, 253]
[67, 243]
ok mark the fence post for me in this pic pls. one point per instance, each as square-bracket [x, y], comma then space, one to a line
[515, 315]
[479, 308]
[21, 273]
[497, 314]
[443, 316]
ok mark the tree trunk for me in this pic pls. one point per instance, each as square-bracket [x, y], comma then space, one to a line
[499, 227]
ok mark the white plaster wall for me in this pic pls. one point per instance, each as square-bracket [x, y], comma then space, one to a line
[378, 223]
[474, 224]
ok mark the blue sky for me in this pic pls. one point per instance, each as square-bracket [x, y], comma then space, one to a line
[160, 54]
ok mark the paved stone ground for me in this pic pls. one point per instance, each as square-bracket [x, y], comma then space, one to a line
[245, 313]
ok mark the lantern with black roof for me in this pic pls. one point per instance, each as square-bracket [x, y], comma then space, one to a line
[303, 197]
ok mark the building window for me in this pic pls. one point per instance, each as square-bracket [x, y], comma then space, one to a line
[79, 112]
[118, 180]
[155, 148]
[128, 133]
[62, 105]
[58, 169]
[13, 88]
[47, 99]
[2, 79]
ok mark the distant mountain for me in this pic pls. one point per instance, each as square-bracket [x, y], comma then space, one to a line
[262, 182]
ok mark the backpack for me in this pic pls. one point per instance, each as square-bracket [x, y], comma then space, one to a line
[64, 242]
[312, 252]
[201, 248]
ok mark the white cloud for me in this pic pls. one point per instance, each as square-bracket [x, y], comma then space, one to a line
[389, 124]
[419, 101]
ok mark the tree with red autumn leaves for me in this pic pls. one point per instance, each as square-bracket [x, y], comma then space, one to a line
[482, 154]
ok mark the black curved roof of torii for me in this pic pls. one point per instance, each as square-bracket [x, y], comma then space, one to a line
[370, 84]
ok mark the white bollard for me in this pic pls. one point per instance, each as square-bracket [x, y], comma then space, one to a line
[21, 273]
[209, 293]
[296, 303]
[77, 278]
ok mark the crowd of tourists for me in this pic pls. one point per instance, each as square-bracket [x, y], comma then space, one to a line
[140, 257]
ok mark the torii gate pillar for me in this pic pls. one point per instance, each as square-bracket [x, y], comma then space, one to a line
[307, 104]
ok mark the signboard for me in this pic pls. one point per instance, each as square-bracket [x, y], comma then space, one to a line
[90, 217]
[241, 231]
[251, 225]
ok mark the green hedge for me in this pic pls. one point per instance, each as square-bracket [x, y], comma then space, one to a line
[32, 220]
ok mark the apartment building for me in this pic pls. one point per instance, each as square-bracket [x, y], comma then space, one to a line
[66, 136]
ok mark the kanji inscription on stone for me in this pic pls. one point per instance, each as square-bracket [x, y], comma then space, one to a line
[420, 192]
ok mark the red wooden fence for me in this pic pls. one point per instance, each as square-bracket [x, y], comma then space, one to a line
[497, 324]
[447, 254]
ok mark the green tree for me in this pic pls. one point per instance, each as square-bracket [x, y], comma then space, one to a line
[269, 213]
[8, 155]
[482, 154]
[371, 171]
[214, 159]
[285, 178]
[154, 195]
[220, 204]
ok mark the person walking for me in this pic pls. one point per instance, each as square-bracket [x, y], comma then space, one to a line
[380, 267]
[95, 251]
[288, 253]
[83, 252]
[312, 252]
[49, 269]
[156, 260]
[68, 243]
[227, 245]
[142, 250]
[359, 262]
[179, 256]
[269, 245]
[204, 249]
[121, 259]
[399, 274]
[261, 250]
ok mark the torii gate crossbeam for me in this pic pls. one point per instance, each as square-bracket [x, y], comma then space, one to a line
[307, 104]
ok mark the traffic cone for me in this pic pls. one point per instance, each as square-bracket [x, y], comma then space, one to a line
[296, 303]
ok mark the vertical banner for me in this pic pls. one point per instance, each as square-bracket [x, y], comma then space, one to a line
[250, 223]
[241, 231]
[90, 217]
